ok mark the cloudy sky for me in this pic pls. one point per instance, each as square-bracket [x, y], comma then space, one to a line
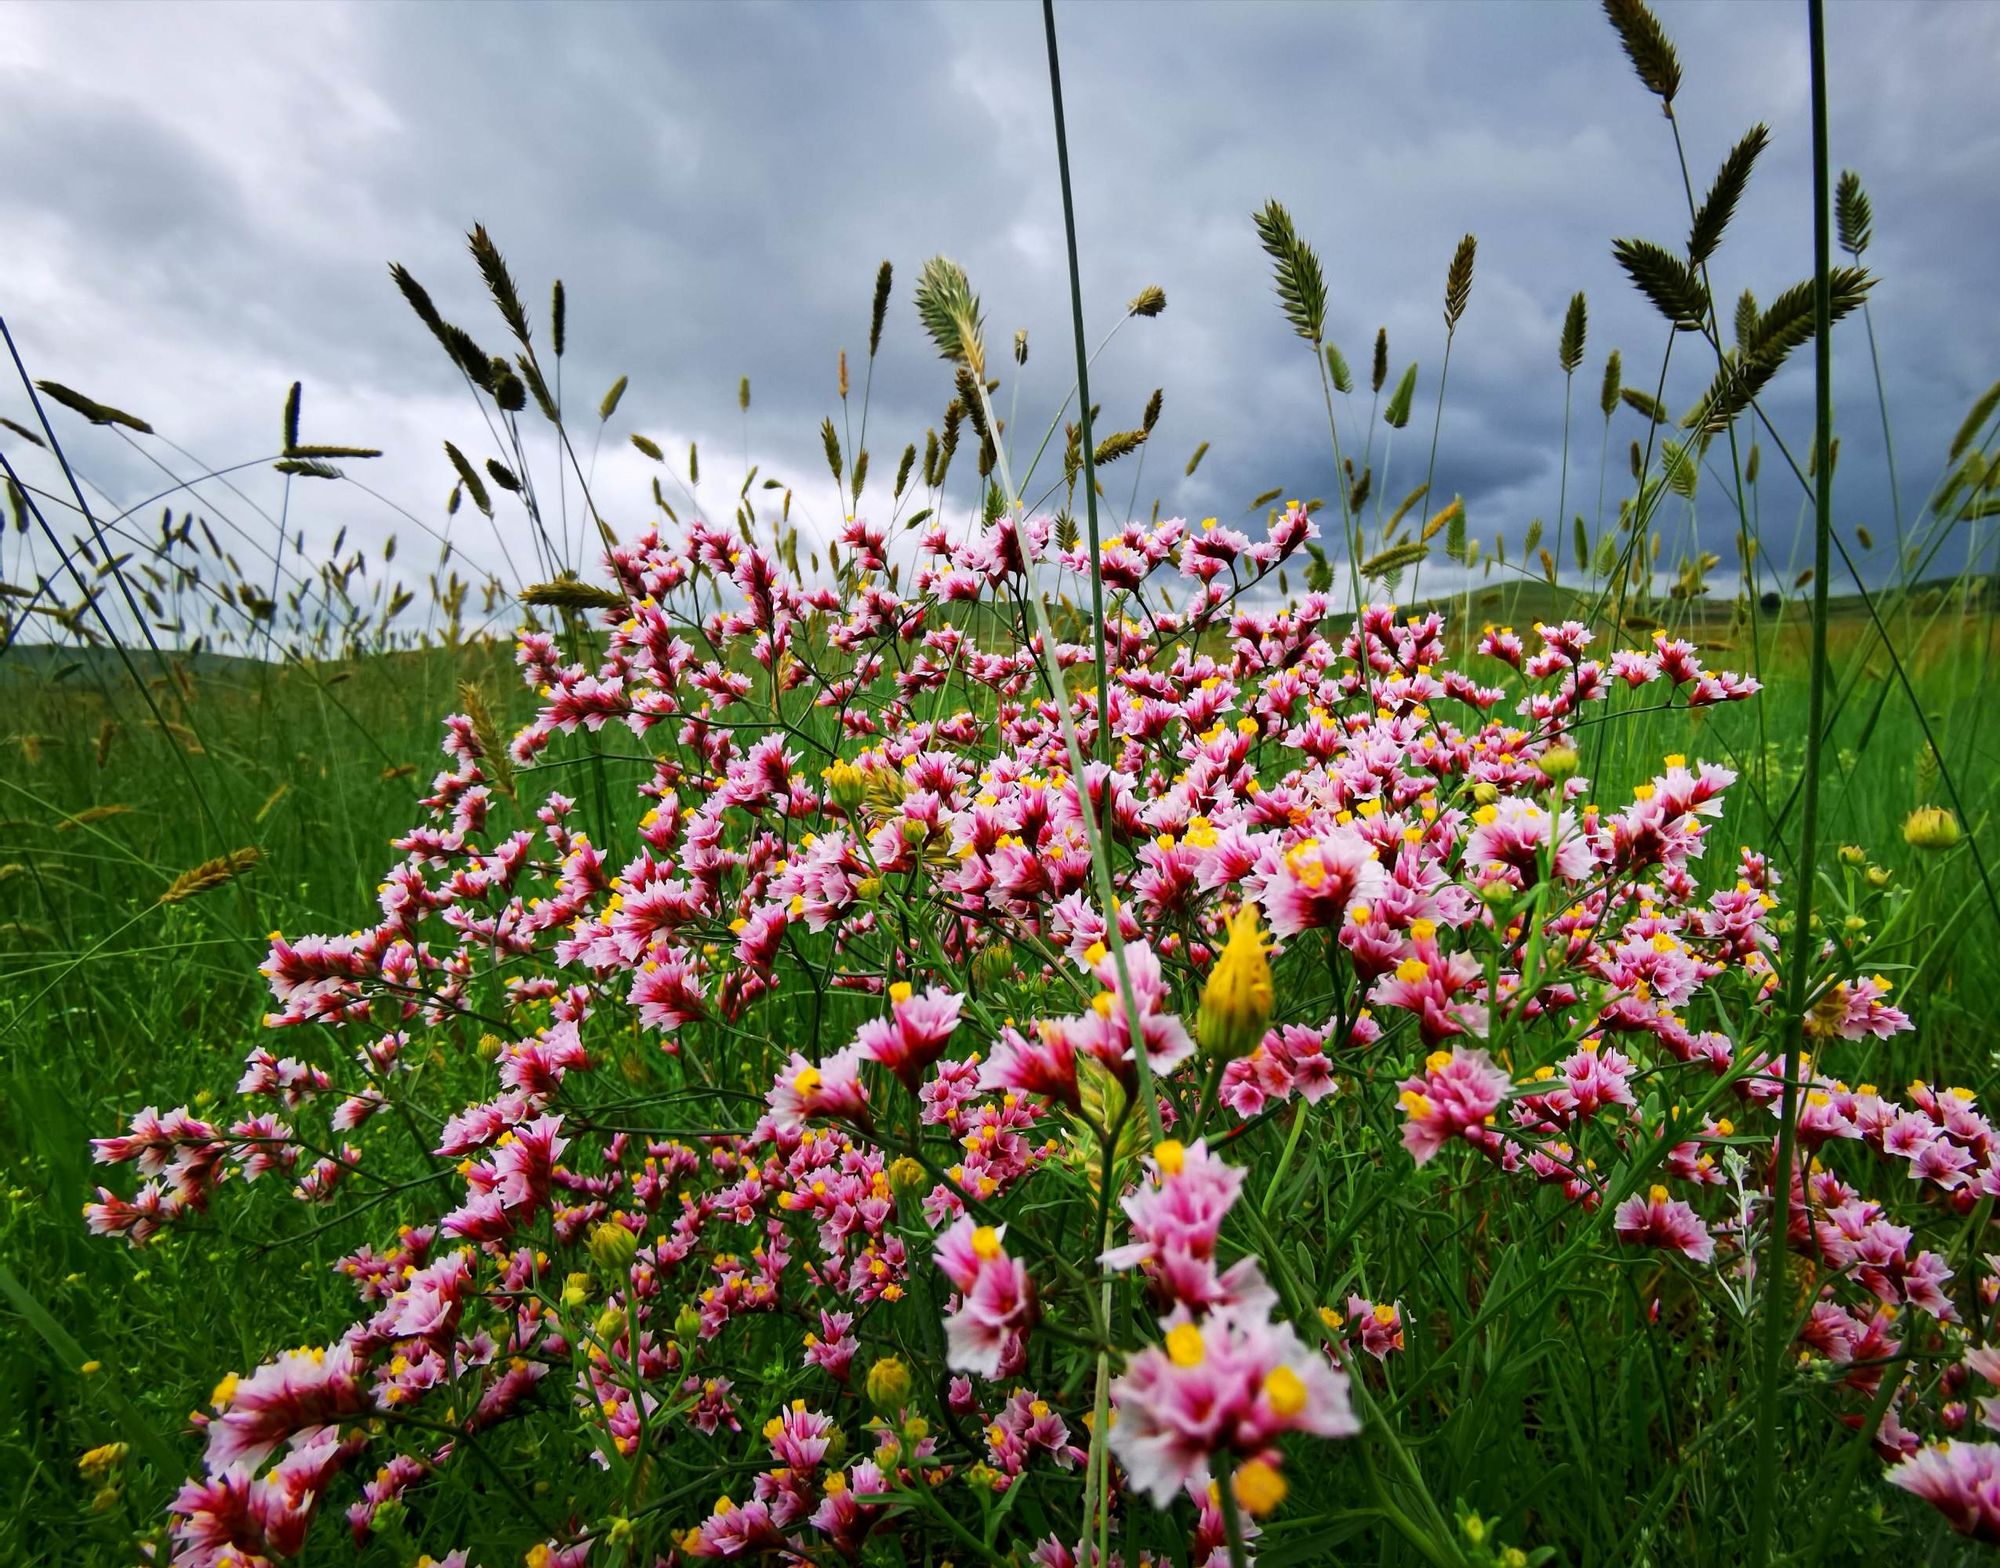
[200, 203]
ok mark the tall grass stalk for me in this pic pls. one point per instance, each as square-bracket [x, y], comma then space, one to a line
[1777, 1309]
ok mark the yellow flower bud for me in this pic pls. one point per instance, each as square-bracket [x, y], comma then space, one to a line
[889, 1385]
[1931, 827]
[1236, 1002]
[613, 1246]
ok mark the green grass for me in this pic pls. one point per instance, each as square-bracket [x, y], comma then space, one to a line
[113, 1001]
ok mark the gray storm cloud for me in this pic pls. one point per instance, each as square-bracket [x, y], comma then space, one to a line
[201, 201]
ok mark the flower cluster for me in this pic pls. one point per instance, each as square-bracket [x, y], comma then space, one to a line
[847, 1021]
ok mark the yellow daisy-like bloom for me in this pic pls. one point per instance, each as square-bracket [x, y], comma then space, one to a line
[1236, 1002]
[1931, 827]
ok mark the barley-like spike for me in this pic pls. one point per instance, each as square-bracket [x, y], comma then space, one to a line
[1747, 316]
[335, 451]
[1021, 346]
[649, 446]
[1358, 492]
[292, 418]
[1786, 325]
[1395, 558]
[89, 815]
[1755, 460]
[609, 406]
[1380, 372]
[1607, 397]
[1582, 543]
[1534, 538]
[1194, 462]
[1666, 280]
[469, 477]
[499, 282]
[830, 440]
[211, 874]
[1679, 466]
[538, 388]
[949, 311]
[24, 433]
[694, 465]
[1300, 284]
[878, 310]
[493, 748]
[306, 468]
[974, 406]
[1569, 352]
[860, 472]
[1403, 508]
[1148, 302]
[1644, 402]
[1259, 502]
[1867, 539]
[931, 455]
[419, 299]
[1975, 421]
[503, 476]
[903, 469]
[1638, 462]
[1337, 371]
[508, 389]
[1449, 516]
[1648, 48]
[1853, 214]
[567, 593]
[1458, 282]
[1397, 414]
[97, 413]
[558, 316]
[1715, 212]
[1152, 415]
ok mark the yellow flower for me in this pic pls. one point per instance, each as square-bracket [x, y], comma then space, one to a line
[1931, 827]
[612, 1246]
[1236, 1002]
[1258, 1487]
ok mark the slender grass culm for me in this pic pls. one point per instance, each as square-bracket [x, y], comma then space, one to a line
[892, 1011]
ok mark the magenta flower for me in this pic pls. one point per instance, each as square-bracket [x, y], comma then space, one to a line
[996, 1305]
[1656, 1220]
[1455, 1097]
[1230, 1384]
[1961, 1481]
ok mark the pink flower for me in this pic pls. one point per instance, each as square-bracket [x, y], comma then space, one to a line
[1176, 1219]
[1659, 1221]
[914, 1035]
[1315, 881]
[1230, 1384]
[301, 1390]
[997, 1298]
[833, 1088]
[1961, 1481]
[1458, 1091]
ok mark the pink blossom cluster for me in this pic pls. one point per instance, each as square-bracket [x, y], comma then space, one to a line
[824, 1048]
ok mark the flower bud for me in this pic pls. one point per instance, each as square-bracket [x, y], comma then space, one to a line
[1931, 827]
[1880, 877]
[907, 1177]
[993, 963]
[1560, 763]
[613, 1246]
[847, 784]
[1236, 1002]
[1853, 855]
[868, 889]
[687, 1322]
[889, 1385]
[1485, 792]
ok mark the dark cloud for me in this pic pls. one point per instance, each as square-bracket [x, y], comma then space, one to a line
[202, 199]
